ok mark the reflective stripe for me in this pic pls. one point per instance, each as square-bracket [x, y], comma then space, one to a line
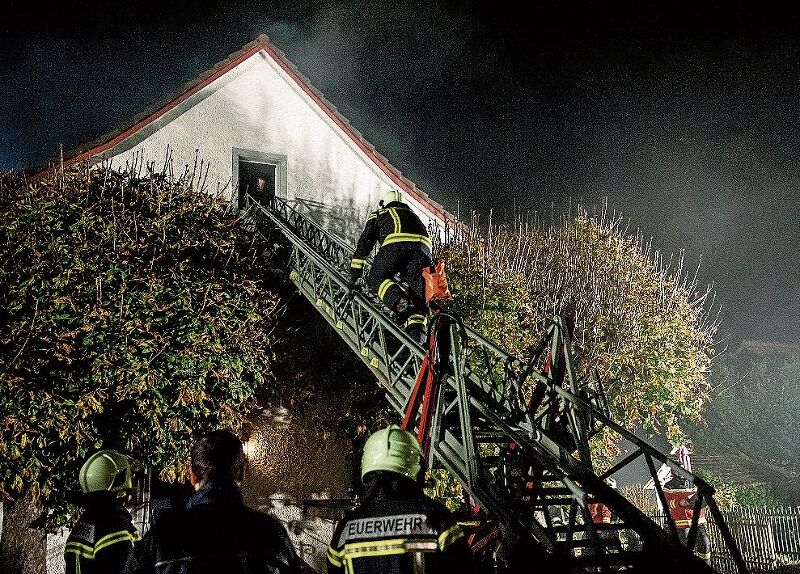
[687, 522]
[109, 539]
[113, 538]
[387, 547]
[334, 557]
[387, 283]
[357, 263]
[703, 555]
[372, 216]
[79, 549]
[415, 319]
[396, 219]
[407, 238]
[449, 536]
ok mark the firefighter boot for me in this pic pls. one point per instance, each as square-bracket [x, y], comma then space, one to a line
[415, 327]
[417, 333]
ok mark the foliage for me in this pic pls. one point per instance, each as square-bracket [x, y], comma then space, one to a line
[644, 499]
[731, 493]
[755, 406]
[441, 486]
[756, 496]
[133, 315]
[753, 416]
[640, 322]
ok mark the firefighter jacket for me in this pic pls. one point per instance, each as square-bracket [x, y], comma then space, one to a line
[399, 533]
[215, 533]
[102, 540]
[681, 500]
[393, 224]
[600, 513]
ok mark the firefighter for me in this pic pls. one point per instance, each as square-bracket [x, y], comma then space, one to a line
[404, 248]
[681, 498]
[396, 528]
[102, 540]
[216, 532]
[600, 513]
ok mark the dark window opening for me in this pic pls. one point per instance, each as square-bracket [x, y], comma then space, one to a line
[256, 179]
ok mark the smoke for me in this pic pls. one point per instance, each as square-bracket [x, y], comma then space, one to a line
[686, 120]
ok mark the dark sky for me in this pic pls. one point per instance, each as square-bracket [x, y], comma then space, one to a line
[685, 115]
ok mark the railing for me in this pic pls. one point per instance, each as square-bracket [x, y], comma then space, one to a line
[487, 431]
[768, 537]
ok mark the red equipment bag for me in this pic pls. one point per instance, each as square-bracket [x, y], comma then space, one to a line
[436, 288]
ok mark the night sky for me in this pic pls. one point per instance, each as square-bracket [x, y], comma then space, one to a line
[686, 118]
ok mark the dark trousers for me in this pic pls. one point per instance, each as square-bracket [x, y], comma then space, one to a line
[702, 545]
[407, 259]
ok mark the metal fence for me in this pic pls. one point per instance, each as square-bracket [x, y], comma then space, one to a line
[768, 538]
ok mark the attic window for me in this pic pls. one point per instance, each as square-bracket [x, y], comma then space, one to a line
[259, 174]
[257, 179]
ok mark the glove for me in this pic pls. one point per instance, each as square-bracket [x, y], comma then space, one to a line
[355, 276]
[354, 284]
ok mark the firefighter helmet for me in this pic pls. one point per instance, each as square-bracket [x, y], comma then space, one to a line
[394, 450]
[106, 469]
[390, 196]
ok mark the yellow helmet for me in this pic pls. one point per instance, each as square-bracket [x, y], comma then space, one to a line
[394, 450]
[106, 469]
[390, 196]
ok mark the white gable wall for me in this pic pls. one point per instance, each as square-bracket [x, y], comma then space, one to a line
[257, 106]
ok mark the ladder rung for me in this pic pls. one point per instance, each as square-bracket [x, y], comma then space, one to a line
[618, 526]
[555, 490]
[490, 437]
[623, 558]
[539, 502]
[587, 542]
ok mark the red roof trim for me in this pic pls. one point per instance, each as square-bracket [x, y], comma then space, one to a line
[262, 43]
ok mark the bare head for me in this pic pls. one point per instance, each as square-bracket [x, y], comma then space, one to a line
[217, 456]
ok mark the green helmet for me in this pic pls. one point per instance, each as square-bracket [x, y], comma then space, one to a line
[392, 449]
[106, 469]
[390, 196]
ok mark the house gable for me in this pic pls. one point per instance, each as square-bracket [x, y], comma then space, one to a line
[256, 62]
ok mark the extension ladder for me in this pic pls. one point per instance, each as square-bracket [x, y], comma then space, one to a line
[484, 431]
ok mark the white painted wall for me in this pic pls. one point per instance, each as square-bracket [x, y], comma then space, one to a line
[257, 106]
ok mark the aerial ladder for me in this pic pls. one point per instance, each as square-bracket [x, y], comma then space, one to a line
[514, 433]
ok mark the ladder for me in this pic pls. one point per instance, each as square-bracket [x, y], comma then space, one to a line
[524, 464]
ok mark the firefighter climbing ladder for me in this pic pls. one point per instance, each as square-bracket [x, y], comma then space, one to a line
[524, 461]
